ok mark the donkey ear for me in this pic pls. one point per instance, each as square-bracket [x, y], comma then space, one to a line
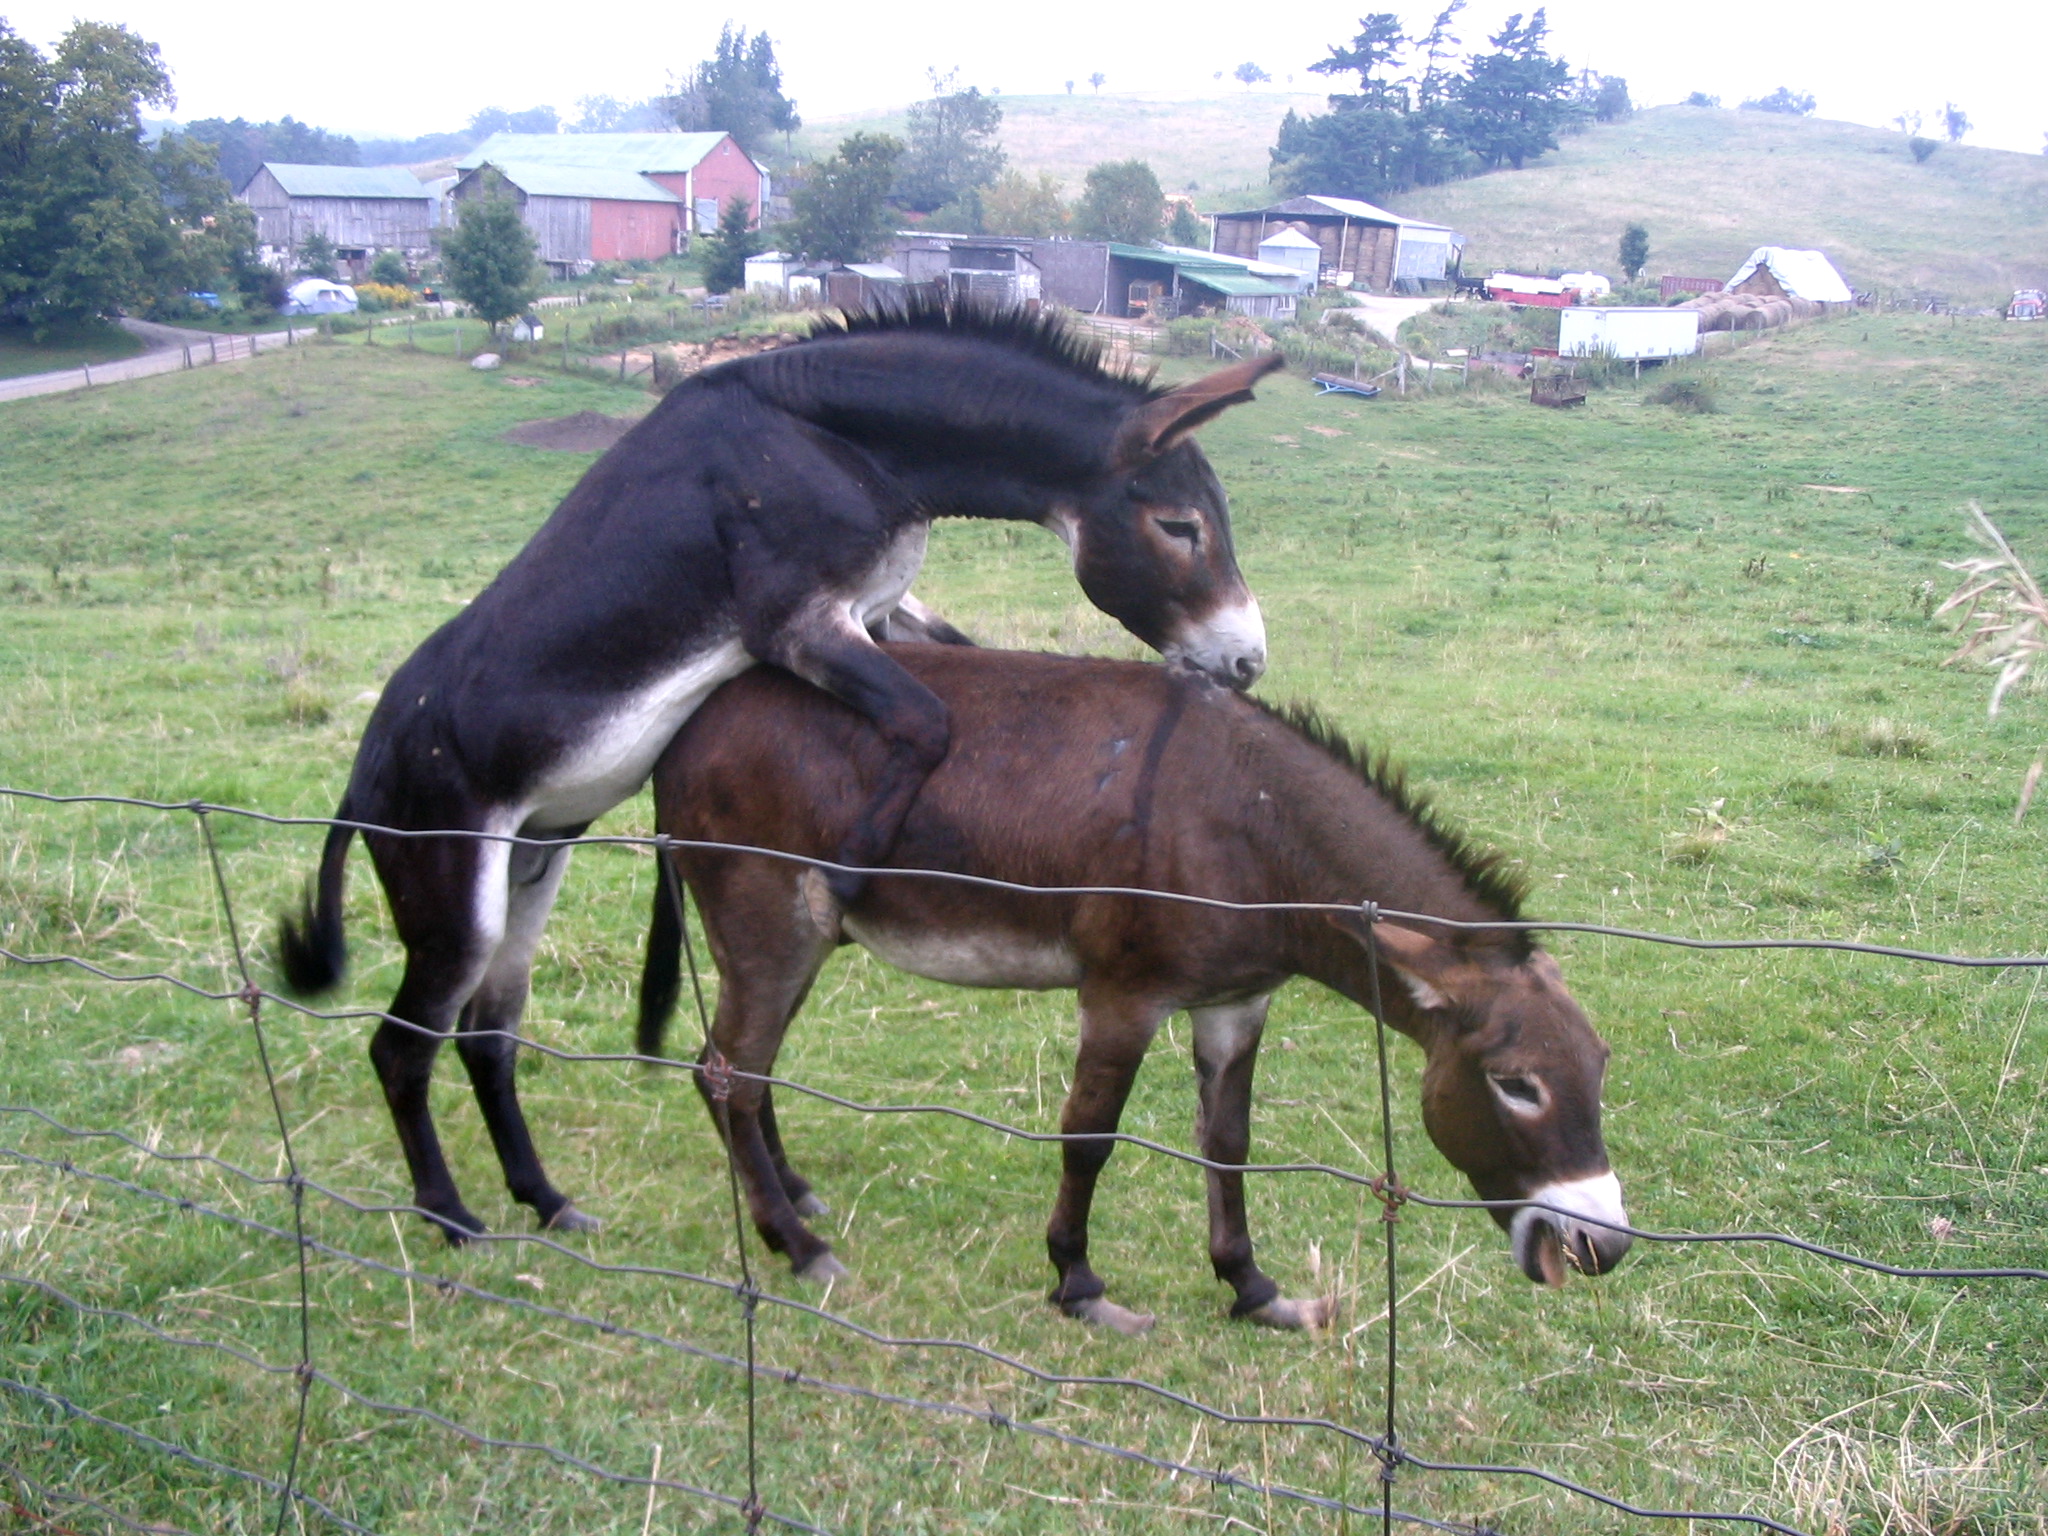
[1159, 424]
[1424, 963]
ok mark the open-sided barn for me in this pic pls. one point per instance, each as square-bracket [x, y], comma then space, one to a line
[1372, 244]
[362, 210]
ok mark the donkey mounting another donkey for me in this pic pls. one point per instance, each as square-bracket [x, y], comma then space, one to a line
[772, 509]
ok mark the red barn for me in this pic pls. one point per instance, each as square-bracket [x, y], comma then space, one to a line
[591, 197]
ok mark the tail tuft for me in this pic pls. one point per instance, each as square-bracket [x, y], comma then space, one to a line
[661, 977]
[310, 947]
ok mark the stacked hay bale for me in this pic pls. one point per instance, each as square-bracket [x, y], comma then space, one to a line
[1749, 311]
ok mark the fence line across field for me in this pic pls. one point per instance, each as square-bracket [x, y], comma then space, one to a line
[716, 1075]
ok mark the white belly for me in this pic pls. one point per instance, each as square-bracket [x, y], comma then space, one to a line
[611, 764]
[968, 959]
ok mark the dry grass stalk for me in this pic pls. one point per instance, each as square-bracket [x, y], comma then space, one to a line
[2004, 621]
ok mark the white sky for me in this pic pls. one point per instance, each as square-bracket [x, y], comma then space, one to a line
[403, 72]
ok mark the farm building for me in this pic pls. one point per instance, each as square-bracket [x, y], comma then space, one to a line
[1778, 273]
[581, 215]
[361, 210]
[979, 266]
[1161, 284]
[1097, 277]
[705, 171]
[1359, 243]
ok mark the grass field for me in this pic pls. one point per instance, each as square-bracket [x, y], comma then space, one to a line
[66, 348]
[1682, 665]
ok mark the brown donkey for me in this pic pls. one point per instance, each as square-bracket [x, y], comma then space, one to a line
[1106, 773]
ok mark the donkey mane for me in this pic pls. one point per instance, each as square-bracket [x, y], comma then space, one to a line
[1484, 869]
[1045, 335]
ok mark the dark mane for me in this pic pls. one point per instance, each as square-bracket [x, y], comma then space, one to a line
[1484, 869]
[1046, 334]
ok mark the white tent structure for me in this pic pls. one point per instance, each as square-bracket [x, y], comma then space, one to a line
[317, 296]
[1796, 274]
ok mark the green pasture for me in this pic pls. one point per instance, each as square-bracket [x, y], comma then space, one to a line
[1682, 665]
[65, 347]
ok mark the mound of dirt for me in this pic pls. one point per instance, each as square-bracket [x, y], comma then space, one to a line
[585, 432]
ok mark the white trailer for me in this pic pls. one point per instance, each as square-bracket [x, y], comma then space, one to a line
[1630, 333]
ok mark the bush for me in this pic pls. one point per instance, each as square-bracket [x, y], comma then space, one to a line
[1922, 148]
[1691, 392]
[380, 296]
[389, 269]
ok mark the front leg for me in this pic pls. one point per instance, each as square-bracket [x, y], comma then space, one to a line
[1226, 1049]
[1116, 1028]
[826, 646]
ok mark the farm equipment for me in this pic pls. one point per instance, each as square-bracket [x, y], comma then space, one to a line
[2027, 304]
[1556, 390]
[1337, 384]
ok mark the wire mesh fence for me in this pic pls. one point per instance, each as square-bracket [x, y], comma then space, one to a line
[1400, 1469]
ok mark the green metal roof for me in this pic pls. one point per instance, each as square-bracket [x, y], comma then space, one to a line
[346, 180]
[585, 181]
[660, 152]
[1223, 276]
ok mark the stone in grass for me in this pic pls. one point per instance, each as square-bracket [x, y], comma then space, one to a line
[484, 361]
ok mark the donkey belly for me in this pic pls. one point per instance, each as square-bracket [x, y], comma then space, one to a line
[980, 957]
[617, 752]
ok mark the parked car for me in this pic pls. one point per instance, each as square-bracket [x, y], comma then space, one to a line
[2027, 304]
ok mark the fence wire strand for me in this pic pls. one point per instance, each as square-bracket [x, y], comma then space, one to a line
[715, 1077]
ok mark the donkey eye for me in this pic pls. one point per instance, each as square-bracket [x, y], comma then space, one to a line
[1180, 528]
[1520, 1094]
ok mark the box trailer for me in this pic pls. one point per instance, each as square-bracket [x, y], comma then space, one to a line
[1629, 333]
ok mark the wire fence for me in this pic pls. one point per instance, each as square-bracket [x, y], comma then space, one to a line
[1393, 1455]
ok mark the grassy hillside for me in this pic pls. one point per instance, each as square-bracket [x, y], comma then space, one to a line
[1712, 185]
[1214, 146]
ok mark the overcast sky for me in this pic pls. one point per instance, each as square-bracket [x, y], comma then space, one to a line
[400, 72]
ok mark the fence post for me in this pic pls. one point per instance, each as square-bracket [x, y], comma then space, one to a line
[213, 349]
[86, 369]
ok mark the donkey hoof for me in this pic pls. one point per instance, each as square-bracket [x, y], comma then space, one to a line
[458, 1227]
[1101, 1312]
[1282, 1313]
[822, 1270]
[569, 1219]
[808, 1204]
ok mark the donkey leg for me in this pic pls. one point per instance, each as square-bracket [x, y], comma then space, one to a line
[1226, 1047]
[487, 1037]
[802, 1198]
[448, 898]
[1115, 1030]
[829, 649]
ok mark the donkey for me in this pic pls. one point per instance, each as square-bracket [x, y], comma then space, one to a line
[1106, 773]
[773, 509]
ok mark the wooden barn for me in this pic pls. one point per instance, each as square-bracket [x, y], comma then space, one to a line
[580, 215]
[1364, 245]
[705, 171]
[362, 209]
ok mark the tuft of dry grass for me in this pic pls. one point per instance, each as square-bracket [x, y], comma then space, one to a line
[1880, 736]
[2004, 622]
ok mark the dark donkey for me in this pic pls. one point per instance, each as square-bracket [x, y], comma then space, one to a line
[1104, 773]
[772, 510]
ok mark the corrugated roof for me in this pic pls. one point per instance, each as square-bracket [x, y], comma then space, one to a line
[1803, 274]
[585, 181]
[1292, 239]
[346, 180]
[1348, 207]
[655, 152]
[1223, 276]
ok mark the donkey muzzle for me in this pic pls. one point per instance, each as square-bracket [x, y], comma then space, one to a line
[1229, 645]
[1550, 1243]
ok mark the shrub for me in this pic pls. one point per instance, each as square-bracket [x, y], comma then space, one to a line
[389, 268]
[1922, 147]
[1690, 392]
[375, 296]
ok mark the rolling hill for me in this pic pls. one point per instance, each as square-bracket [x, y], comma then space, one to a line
[1711, 185]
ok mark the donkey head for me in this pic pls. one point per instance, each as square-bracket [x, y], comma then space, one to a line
[1151, 538]
[1511, 1092]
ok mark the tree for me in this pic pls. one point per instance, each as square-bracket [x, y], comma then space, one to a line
[490, 259]
[1921, 148]
[1097, 80]
[1954, 122]
[727, 248]
[1785, 100]
[315, 256]
[738, 90]
[1701, 99]
[242, 146]
[1021, 207]
[841, 212]
[92, 219]
[951, 146]
[1185, 227]
[607, 114]
[1121, 200]
[1070, 87]
[1604, 98]
[1515, 98]
[1249, 75]
[1634, 254]
[497, 120]
[389, 268]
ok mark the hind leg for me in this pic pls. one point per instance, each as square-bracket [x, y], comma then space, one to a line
[487, 1037]
[448, 898]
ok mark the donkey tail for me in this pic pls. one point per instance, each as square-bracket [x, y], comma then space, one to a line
[661, 975]
[310, 946]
